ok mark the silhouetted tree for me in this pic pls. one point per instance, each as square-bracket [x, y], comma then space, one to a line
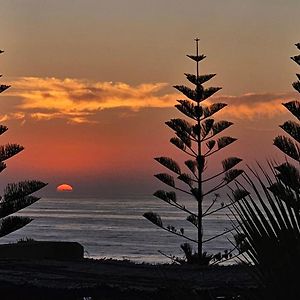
[290, 145]
[269, 220]
[197, 138]
[16, 195]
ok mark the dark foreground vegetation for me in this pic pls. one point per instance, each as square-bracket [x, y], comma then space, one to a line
[111, 279]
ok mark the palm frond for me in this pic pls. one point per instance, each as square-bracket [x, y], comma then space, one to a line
[240, 194]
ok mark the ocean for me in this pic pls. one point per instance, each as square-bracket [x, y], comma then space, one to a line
[115, 227]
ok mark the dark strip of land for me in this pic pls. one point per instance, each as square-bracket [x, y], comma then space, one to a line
[110, 279]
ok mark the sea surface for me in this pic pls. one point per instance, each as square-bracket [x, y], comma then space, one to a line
[115, 227]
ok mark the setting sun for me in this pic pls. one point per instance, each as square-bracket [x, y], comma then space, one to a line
[64, 188]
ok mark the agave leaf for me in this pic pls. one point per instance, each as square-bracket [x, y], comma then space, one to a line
[287, 146]
[294, 108]
[220, 126]
[293, 129]
[9, 150]
[169, 163]
[154, 218]
[166, 178]
[230, 162]
[225, 141]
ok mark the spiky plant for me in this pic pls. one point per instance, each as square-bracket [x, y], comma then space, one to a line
[16, 195]
[197, 137]
[270, 225]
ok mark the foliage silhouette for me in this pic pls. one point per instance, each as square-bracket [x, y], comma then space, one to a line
[196, 136]
[270, 225]
[16, 195]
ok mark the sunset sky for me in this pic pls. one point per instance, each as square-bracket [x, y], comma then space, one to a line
[92, 83]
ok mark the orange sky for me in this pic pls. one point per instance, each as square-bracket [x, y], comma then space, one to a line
[92, 83]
